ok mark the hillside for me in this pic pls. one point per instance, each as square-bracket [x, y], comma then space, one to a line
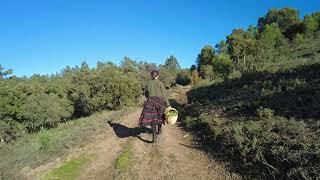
[266, 122]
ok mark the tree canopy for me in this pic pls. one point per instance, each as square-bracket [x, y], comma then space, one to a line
[205, 56]
[172, 63]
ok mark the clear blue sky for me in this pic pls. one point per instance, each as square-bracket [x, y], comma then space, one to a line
[46, 35]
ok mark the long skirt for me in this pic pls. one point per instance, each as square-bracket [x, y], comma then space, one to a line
[153, 111]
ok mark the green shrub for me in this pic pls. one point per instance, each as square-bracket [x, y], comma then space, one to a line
[45, 111]
[191, 122]
[298, 39]
[168, 76]
[277, 148]
[264, 113]
[183, 78]
[207, 72]
[10, 130]
[107, 87]
[222, 65]
[112, 88]
[213, 124]
[195, 78]
[235, 74]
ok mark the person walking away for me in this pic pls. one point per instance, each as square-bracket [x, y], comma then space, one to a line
[154, 108]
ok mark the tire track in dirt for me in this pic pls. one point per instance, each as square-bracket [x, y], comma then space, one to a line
[110, 147]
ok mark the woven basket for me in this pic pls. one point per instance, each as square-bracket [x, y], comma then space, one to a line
[170, 119]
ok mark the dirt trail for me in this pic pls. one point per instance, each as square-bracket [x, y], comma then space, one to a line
[172, 157]
[110, 147]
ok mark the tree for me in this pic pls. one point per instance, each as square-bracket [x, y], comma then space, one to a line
[205, 56]
[206, 72]
[287, 20]
[240, 44]
[167, 76]
[84, 65]
[4, 73]
[253, 31]
[222, 65]
[222, 47]
[271, 36]
[193, 67]
[129, 65]
[172, 63]
[168, 71]
[311, 23]
[269, 42]
[284, 18]
[148, 67]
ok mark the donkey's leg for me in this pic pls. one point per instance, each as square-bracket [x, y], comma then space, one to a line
[154, 132]
[159, 129]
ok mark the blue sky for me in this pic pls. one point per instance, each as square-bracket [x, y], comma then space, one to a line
[44, 36]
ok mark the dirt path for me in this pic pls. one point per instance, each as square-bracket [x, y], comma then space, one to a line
[123, 152]
[110, 147]
[170, 158]
[174, 158]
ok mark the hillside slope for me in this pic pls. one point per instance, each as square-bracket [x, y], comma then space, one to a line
[266, 119]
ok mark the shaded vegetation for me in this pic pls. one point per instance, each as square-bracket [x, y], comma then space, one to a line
[264, 115]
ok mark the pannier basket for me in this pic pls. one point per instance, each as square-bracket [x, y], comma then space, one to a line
[171, 115]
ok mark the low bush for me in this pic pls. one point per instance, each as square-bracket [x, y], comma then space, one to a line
[272, 147]
[195, 78]
[183, 78]
[264, 113]
[45, 111]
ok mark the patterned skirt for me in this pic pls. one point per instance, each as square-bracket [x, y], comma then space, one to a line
[153, 111]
